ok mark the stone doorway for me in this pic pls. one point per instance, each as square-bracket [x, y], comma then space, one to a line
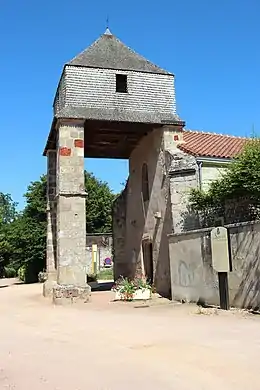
[147, 248]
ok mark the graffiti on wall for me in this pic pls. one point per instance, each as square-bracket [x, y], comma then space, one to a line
[185, 274]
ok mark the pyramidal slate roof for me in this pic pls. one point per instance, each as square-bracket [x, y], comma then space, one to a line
[108, 52]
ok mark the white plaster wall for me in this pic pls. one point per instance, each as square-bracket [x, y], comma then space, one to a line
[210, 173]
[96, 88]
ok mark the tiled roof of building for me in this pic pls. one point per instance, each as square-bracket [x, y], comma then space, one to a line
[215, 145]
[108, 52]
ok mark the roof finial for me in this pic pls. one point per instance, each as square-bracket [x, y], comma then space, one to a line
[107, 32]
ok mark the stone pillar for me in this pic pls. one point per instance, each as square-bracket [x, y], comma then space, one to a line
[71, 215]
[183, 174]
[51, 250]
[182, 170]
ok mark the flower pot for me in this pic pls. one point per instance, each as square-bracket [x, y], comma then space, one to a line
[141, 294]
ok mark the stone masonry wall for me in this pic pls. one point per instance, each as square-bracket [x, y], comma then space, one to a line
[51, 212]
[51, 260]
[71, 216]
[149, 222]
[171, 174]
[182, 169]
[121, 266]
[96, 88]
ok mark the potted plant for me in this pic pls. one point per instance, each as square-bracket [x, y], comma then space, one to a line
[132, 289]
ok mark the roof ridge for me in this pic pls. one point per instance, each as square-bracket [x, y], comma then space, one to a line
[109, 52]
[82, 51]
[220, 134]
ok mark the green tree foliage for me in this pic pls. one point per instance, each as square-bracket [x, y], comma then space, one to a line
[7, 208]
[241, 179]
[23, 235]
[98, 205]
[7, 216]
[36, 200]
[29, 232]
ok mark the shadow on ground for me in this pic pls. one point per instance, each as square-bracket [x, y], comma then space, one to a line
[4, 285]
[103, 286]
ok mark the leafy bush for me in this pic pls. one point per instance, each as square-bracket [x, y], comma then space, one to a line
[241, 179]
[21, 273]
[9, 272]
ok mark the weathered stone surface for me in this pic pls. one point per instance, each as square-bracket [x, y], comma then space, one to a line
[48, 287]
[183, 171]
[121, 267]
[71, 215]
[70, 294]
[134, 219]
[51, 244]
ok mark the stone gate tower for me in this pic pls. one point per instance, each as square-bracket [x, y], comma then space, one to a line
[107, 100]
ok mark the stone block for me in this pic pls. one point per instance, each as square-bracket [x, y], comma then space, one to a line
[49, 285]
[70, 294]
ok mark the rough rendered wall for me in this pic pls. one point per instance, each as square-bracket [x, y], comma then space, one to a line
[96, 88]
[150, 222]
[193, 277]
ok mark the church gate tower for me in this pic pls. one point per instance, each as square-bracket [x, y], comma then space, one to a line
[108, 98]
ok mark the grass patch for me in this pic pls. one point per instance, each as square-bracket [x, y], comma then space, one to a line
[106, 274]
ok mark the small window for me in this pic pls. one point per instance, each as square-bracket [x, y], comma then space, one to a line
[145, 183]
[121, 83]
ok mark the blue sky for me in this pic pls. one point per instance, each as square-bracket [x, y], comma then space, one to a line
[211, 46]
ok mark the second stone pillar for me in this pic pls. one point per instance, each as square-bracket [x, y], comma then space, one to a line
[71, 215]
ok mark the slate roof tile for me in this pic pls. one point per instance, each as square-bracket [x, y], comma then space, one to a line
[108, 52]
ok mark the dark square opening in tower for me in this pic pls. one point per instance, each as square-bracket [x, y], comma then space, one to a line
[121, 83]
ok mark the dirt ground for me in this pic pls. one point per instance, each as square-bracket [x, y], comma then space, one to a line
[105, 345]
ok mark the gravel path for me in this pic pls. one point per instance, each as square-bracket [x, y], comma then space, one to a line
[113, 346]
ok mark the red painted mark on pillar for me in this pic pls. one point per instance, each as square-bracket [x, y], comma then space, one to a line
[65, 151]
[176, 137]
[79, 143]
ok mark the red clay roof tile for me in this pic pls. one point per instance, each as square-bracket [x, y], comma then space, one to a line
[211, 144]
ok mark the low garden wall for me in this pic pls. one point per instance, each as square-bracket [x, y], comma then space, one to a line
[193, 278]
